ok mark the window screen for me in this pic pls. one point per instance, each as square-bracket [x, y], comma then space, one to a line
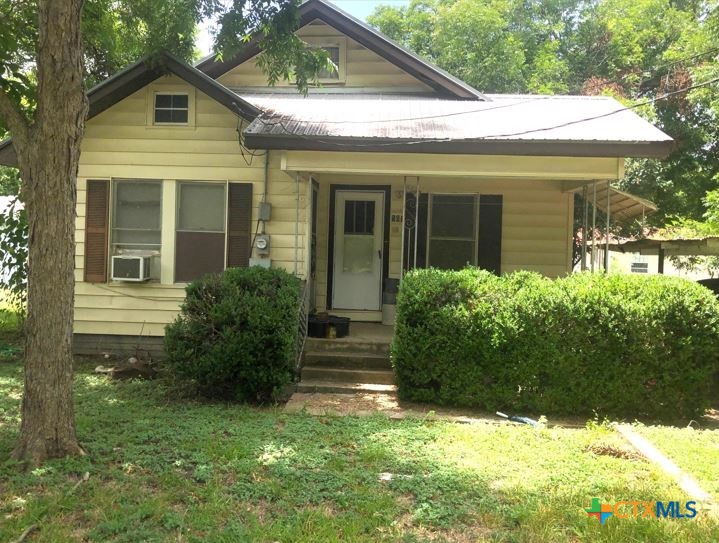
[171, 108]
[201, 207]
[359, 250]
[334, 54]
[200, 236]
[137, 220]
[136, 217]
[453, 231]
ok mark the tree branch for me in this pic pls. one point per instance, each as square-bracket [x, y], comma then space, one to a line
[16, 122]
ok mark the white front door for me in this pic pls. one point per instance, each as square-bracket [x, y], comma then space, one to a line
[357, 262]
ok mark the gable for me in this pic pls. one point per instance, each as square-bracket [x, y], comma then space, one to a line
[364, 70]
[443, 83]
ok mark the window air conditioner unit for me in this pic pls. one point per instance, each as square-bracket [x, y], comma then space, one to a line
[132, 268]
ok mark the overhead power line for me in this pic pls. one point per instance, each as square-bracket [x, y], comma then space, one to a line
[501, 135]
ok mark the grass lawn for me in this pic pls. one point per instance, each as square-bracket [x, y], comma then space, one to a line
[696, 451]
[164, 469]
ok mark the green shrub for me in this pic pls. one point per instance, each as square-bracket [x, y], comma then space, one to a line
[616, 345]
[236, 334]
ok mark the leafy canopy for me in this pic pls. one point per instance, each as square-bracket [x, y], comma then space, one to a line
[632, 49]
[118, 32]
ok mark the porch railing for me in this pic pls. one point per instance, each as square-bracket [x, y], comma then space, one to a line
[301, 327]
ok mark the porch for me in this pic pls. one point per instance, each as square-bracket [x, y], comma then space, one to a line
[366, 231]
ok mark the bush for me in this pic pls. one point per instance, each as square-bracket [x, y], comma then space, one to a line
[236, 334]
[616, 345]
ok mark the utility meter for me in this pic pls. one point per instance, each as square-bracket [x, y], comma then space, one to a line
[262, 244]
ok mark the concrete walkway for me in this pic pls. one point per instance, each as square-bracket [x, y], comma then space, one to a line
[364, 404]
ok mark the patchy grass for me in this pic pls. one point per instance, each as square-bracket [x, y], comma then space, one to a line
[696, 451]
[10, 322]
[166, 470]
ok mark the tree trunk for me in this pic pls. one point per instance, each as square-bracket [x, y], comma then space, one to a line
[48, 161]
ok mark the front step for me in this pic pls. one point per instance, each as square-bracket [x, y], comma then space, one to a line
[347, 360]
[343, 375]
[346, 345]
[329, 387]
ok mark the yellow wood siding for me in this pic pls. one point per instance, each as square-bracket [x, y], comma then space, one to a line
[536, 221]
[120, 144]
[364, 68]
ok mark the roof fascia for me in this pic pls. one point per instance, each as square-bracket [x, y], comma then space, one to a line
[140, 74]
[463, 147]
[431, 75]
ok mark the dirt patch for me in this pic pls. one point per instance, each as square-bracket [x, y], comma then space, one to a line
[603, 448]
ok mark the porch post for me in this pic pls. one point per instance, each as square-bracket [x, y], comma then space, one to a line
[297, 219]
[404, 210]
[585, 220]
[594, 224]
[660, 262]
[416, 222]
[609, 213]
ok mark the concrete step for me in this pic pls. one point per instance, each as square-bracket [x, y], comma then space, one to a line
[348, 360]
[341, 375]
[347, 345]
[329, 387]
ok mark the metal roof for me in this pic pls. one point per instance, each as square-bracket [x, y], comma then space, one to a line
[333, 121]
[623, 206]
[706, 246]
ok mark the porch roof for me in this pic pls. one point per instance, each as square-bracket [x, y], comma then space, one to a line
[505, 124]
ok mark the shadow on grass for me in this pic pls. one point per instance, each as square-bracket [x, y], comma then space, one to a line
[211, 472]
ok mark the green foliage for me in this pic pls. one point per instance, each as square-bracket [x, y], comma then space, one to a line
[117, 33]
[166, 470]
[236, 334]
[617, 345]
[9, 181]
[14, 252]
[632, 49]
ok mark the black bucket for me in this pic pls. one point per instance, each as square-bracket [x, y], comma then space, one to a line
[341, 325]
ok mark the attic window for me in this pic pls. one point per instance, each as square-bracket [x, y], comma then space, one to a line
[336, 48]
[171, 108]
[334, 54]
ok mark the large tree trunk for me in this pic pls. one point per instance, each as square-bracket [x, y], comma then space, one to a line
[48, 160]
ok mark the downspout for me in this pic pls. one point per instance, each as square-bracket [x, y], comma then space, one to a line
[266, 183]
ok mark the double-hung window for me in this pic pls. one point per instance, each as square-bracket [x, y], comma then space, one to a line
[200, 229]
[137, 220]
[452, 239]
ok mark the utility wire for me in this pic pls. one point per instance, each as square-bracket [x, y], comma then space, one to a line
[508, 134]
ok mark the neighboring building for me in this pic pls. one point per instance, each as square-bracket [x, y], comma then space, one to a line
[326, 186]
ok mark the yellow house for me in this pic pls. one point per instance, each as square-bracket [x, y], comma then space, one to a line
[390, 163]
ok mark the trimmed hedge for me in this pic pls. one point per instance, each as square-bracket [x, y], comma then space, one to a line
[615, 345]
[236, 334]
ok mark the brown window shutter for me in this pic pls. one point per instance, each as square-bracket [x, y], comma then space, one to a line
[96, 230]
[239, 224]
[490, 233]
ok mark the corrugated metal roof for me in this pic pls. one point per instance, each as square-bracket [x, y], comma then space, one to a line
[623, 206]
[503, 118]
